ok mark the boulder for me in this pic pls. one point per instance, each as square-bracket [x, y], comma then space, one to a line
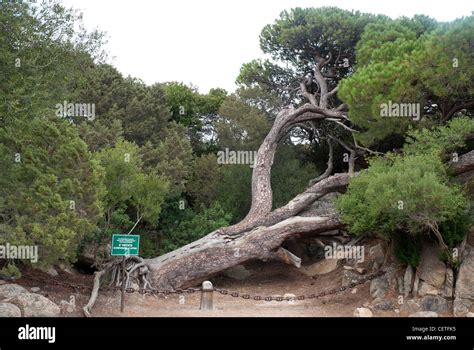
[432, 270]
[424, 314]
[9, 310]
[238, 272]
[461, 307]
[35, 305]
[362, 312]
[434, 303]
[408, 280]
[378, 287]
[465, 279]
[411, 306]
[427, 289]
[10, 290]
[320, 268]
[447, 292]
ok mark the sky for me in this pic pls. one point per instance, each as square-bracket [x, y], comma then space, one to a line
[205, 42]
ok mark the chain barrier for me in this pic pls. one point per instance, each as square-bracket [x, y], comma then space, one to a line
[299, 297]
[153, 291]
[249, 296]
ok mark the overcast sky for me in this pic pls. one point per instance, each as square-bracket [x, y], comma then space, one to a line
[204, 42]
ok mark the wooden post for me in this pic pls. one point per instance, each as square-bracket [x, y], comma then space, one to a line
[206, 296]
[122, 299]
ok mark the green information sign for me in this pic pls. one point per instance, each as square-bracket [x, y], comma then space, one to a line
[125, 245]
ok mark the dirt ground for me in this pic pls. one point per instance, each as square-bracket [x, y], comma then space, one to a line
[267, 279]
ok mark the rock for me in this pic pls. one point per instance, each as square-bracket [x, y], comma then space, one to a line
[52, 271]
[67, 306]
[366, 304]
[397, 311]
[416, 284]
[359, 270]
[380, 304]
[35, 305]
[354, 291]
[238, 272]
[66, 269]
[35, 289]
[427, 289]
[465, 280]
[362, 312]
[461, 307]
[424, 314]
[320, 268]
[432, 270]
[400, 286]
[411, 306]
[378, 287]
[408, 280]
[349, 277]
[9, 310]
[10, 290]
[470, 314]
[434, 303]
[447, 292]
[377, 254]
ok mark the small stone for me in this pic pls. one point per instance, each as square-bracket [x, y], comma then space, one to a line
[349, 277]
[362, 312]
[35, 289]
[470, 314]
[354, 291]
[380, 304]
[424, 314]
[52, 272]
[397, 311]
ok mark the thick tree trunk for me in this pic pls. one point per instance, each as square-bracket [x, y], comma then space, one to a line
[215, 252]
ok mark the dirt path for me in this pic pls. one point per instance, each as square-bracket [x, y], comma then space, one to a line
[266, 279]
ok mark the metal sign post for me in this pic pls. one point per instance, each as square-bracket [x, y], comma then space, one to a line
[124, 246]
